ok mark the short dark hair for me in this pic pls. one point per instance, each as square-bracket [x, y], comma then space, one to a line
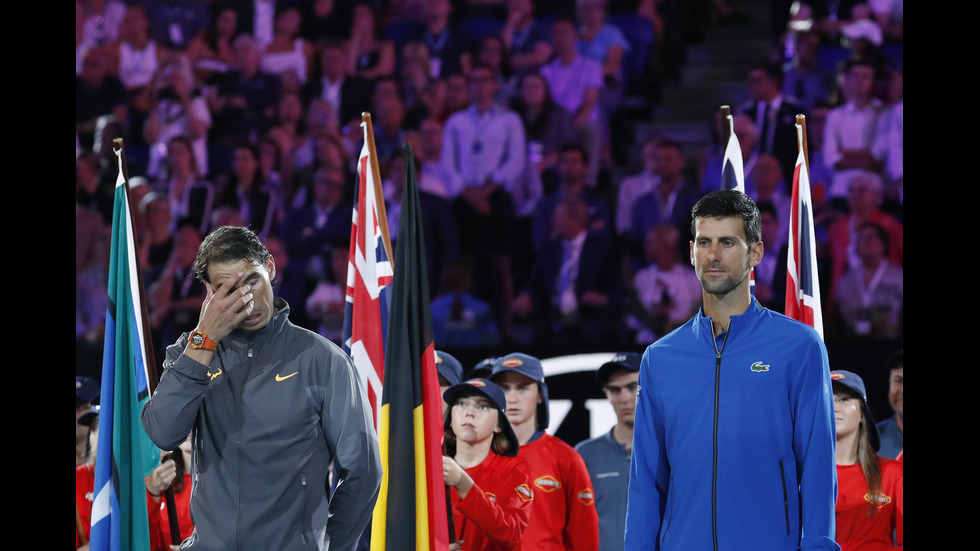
[895, 360]
[229, 244]
[726, 203]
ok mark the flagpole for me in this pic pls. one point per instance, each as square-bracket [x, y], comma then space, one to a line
[378, 192]
[151, 370]
[801, 120]
[726, 112]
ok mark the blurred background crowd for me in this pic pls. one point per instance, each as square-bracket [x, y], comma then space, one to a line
[559, 146]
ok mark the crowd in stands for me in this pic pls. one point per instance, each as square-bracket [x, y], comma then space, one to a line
[544, 220]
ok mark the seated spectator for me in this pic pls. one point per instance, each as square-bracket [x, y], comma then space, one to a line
[450, 50]
[211, 52]
[670, 201]
[601, 40]
[573, 293]
[243, 100]
[288, 55]
[864, 203]
[460, 319]
[576, 82]
[805, 78]
[370, 54]
[98, 92]
[850, 127]
[667, 292]
[870, 298]
[177, 108]
[526, 41]
[547, 126]
[243, 188]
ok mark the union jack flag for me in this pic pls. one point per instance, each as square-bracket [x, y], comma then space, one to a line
[369, 277]
[802, 285]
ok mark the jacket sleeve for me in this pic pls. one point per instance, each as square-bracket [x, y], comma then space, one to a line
[814, 441]
[348, 425]
[169, 414]
[649, 470]
[582, 524]
[503, 520]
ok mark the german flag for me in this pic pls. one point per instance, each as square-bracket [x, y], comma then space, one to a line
[411, 509]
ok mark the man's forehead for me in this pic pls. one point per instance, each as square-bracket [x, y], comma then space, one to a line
[220, 271]
[623, 376]
[719, 226]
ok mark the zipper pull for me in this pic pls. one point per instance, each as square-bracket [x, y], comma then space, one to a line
[250, 349]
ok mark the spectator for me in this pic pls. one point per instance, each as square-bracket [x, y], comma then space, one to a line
[135, 59]
[102, 19]
[870, 297]
[242, 187]
[526, 41]
[450, 50]
[547, 126]
[460, 319]
[310, 233]
[607, 456]
[864, 205]
[438, 221]
[178, 108]
[174, 23]
[347, 95]
[573, 292]
[243, 101]
[806, 79]
[635, 186]
[211, 52]
[601, 41]
[748, 135]
[850, 128]
[289, 54]
[870, 497]
[889, 148]
[424, 94]
[769, 185]
[326, 302]
[892, 430]
[770, 273]
[98, 92]
[671, 201]
[370, 54]
[774, 114]
[492, 53]
[483, 153]
[572, 171]
[575, 83]
[667, 291]
[563, 514]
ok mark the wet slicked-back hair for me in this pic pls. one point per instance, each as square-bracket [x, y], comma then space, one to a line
[729, 203]
[229, 244]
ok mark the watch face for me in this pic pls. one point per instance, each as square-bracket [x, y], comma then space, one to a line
[197, 339]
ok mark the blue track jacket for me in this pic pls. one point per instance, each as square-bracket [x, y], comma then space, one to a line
[734, 439]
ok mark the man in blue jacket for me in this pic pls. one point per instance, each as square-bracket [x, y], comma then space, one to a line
[734, 434]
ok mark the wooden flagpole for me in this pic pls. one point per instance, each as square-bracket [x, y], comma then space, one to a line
[801, 120]
[726, 129]
[378, 192]
[151, 370]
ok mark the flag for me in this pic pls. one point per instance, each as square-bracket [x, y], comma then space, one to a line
[732, 173]
[802, 284]
[411, 512]
[125, 454]
[368, 280]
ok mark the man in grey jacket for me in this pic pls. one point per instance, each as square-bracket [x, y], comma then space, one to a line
[271, 408]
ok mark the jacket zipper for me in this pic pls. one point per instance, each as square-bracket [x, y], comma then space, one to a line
[782, 477]
[241, 456]
[714, 435]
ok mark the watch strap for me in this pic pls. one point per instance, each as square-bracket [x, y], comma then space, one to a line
[200, 341]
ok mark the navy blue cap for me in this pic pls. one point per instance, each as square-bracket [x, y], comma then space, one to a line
[854, 383]
[483, 368]
[449, 367]
[530, 367]
[86, 388]
[623, 360]
[490, 391]
[86, 419]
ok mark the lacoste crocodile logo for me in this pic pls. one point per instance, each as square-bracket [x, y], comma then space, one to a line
[759, 367]
[281, 378]
[213, 375]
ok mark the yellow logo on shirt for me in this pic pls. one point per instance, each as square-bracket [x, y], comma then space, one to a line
[879, 501]
[547, 483]
[213, 375]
